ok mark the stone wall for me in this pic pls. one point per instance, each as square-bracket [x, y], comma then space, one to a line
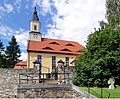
[9, 82]
[49, 93]
[82, 92]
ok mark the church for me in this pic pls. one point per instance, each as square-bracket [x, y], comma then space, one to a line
[46, 50]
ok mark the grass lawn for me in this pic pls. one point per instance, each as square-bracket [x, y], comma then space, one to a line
[114, 93]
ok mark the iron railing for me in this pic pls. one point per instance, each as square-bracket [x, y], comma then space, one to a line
[91, 91]
[43, 77]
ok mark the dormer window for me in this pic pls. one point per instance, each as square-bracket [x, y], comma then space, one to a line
[35, 27]
[65, 49]
[47, 48]
[54, 43]
[79, 51]
[69, 44]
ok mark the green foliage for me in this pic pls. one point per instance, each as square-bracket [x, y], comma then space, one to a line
[2, 56]
[1, 47]
[113, 12]
[101, 60]
[13, 53]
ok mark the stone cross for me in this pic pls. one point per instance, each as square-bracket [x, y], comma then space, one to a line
[111, 83]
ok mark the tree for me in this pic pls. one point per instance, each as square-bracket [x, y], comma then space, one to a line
[113, 12]
[1, 47]
[2, 55]
[101, 60]
[13, 53]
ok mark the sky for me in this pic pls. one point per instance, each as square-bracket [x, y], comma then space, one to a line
[70, 20]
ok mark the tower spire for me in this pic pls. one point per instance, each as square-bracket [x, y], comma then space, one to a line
[35, 16]
[35, 25]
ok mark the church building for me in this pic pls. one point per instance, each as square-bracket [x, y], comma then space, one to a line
[48, 51]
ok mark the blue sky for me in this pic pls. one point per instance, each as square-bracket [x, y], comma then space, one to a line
[60, 19]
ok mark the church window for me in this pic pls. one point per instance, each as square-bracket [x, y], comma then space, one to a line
[35, 27]
[53, 63]
[39, 58]
[67, 61]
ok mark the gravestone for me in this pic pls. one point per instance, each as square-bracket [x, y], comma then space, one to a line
[111, 83]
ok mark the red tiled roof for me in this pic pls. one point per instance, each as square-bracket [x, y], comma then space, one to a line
[22, 64]
[55, 46]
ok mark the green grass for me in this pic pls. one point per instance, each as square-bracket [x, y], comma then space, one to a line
[114, 93]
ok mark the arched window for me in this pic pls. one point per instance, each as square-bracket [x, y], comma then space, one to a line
[35, 27]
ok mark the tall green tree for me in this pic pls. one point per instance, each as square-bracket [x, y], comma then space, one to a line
[1, 47]
[113, 12]
[2, 55]
[101, 60]
[13, 53]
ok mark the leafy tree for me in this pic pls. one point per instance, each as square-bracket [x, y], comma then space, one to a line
[113, 12]
[2, 56]
[1, 47]
[13, 53]
[101, 60]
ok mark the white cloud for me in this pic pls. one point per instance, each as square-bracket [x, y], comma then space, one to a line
[2, 8]
[23, 56]
[18, 5]
[27, 6]
[9, 7]
[22, 37]
[75, 19]
[44, 4]
[6, 8]
[5, 31]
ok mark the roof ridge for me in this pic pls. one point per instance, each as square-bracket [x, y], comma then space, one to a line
[61, 40]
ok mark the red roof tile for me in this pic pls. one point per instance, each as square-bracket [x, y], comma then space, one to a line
[22, 64]
[54, 46]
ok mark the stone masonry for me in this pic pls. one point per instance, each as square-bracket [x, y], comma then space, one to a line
[8, 83]
[48, 93]
[9, 80]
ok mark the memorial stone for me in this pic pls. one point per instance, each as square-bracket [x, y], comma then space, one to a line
[111, 83]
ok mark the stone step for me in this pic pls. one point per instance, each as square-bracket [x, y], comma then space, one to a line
[45, 86]
[48, 91]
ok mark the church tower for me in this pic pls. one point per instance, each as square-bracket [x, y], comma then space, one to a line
[35, 34]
